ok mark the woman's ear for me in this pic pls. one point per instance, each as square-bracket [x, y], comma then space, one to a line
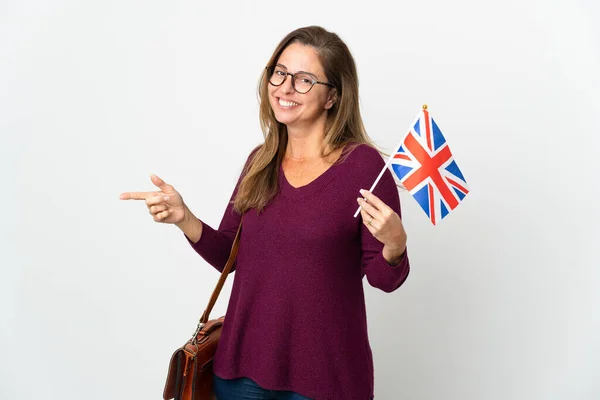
[331, 99]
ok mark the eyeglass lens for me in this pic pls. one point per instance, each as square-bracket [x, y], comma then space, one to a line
[302, 82]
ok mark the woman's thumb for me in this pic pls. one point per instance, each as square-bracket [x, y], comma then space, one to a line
[158, 182]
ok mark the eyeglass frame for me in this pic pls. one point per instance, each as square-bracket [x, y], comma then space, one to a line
[314, 80]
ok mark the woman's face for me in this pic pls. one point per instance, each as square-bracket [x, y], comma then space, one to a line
[297, 110]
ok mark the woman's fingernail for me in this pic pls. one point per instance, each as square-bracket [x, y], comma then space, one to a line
[166, 198]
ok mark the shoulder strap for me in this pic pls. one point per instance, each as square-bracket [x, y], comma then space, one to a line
[226, 270]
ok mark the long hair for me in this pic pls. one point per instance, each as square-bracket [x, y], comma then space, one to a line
[343, 129]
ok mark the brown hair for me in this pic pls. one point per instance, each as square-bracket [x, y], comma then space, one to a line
[344, 126]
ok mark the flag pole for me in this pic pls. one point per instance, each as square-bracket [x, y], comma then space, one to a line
[376, 181]
[387, 163]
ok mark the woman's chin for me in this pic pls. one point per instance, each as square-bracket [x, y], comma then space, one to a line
[285, 119]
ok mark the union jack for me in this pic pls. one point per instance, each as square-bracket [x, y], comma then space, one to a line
[425, 166]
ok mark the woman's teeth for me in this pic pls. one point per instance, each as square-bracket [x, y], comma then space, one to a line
[284, 103]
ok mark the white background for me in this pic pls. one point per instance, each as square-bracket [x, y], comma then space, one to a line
[502, 300]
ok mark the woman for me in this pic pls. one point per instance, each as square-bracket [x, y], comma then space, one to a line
[295, 326]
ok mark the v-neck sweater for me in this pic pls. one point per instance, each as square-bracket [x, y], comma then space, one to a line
[296, 319]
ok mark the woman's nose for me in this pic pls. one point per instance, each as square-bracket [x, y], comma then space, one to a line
[287, 86]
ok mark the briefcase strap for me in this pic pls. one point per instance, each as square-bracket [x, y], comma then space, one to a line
[222, 278]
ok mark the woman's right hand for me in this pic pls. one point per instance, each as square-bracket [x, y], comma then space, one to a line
[165, 206]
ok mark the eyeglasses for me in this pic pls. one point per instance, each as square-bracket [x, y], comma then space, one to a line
[302, 82]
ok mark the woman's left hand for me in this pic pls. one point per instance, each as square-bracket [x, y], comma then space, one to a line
[383, 222]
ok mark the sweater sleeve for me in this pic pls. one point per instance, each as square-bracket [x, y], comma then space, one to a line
[380, 274]
[215, 245]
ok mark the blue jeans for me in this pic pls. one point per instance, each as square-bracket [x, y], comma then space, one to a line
[247, 389]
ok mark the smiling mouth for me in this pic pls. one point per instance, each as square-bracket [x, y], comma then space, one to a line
[287, 104]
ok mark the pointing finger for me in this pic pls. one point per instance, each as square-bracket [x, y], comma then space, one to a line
[135, 195]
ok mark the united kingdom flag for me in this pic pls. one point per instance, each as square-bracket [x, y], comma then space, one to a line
[425, 166]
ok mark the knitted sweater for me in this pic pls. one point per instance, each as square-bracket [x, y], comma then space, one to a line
[296, 318]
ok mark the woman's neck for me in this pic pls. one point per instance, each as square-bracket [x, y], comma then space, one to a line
[305, 144]
[304, 149]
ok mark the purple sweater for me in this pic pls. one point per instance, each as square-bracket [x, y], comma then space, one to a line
[296, 318]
